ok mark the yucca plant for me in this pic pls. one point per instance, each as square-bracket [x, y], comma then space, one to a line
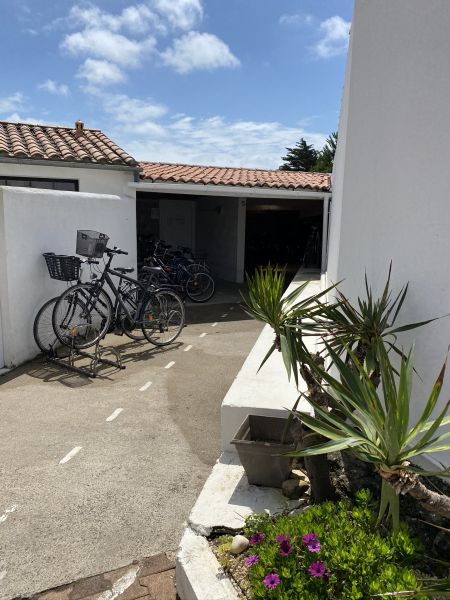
[265, 302]
[290, 316]
[375, 427]
[363, 325]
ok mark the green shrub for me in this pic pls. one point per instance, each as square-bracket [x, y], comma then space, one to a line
[345, 559]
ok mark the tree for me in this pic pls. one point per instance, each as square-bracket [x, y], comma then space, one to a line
[325, 158]
[302, 157]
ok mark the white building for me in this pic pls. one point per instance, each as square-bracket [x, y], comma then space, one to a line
[55, 180]
[390, 182]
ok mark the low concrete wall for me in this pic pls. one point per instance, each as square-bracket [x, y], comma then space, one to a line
[34, 221]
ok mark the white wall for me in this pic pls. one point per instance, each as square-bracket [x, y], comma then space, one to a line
[36, 221]
[93, 180]
[390, 182]
[219, 234]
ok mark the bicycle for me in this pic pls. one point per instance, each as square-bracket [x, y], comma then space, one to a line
[84, 313]
[62, 268]
[196, 284]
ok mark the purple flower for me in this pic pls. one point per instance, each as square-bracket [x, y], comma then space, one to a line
[283, 538]
[285, 548]
[271, 580]
[256, 539]
[317, 569]
[314, 546]
[308, 538]
[251, 560]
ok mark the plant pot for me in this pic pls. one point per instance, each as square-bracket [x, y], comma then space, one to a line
[260, 450]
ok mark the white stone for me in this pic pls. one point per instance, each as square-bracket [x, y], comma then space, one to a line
[239, 544]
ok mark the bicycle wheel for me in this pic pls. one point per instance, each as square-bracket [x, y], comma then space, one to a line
[43, 332]
[82, 316]
[162, 317]
[200, 287]
[194, 268]
[131, 297]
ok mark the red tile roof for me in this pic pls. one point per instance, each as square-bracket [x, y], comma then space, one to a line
[45, 142]
[255, 178]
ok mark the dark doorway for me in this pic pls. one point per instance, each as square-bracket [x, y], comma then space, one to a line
[287, 234]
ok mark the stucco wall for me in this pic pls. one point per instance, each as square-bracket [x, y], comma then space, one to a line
[390, 189]
[92, 180]
[219, 233]
[35, 221]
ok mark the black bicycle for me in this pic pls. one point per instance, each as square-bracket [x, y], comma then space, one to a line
[177, 273]
[84, 313]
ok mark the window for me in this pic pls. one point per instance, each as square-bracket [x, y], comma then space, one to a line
[69, 185]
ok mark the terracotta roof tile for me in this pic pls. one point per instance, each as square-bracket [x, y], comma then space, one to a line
[45, 142]
[255, 178]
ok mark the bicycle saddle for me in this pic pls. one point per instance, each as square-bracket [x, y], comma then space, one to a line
[124, 270]
[148, 269]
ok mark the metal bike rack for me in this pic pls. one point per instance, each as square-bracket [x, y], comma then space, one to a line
[97, 359]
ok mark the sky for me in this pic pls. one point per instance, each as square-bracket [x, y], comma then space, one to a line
[215, 82]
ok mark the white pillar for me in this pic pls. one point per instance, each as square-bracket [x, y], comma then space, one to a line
[240, 241]
[326, 205]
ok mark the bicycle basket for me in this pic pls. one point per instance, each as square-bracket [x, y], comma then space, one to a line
[62, 267]
[91, 243]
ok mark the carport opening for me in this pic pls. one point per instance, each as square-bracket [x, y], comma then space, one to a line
[287, 233]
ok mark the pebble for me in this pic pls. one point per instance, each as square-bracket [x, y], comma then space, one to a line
[294, 488]
[239, 544]
[297, 474]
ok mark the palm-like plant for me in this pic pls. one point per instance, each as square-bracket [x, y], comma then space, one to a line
[362, 326]
[375, 427]
[290, 316]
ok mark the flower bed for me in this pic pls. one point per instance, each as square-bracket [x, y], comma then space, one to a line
[329, 551]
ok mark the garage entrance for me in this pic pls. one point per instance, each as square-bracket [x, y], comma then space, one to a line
[285, 233]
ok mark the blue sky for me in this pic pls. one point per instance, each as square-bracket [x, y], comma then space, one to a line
[225, 82]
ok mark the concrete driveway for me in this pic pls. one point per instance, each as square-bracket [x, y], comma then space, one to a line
[97, 473]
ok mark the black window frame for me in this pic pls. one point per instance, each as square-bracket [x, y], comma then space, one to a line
[8, 178]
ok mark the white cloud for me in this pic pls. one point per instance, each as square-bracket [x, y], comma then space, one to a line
[183, 14]
[296, 19]
[132, 110]
[335, 35]
[137, 18]
[100, 72]
[60, 89]
[13, 102]
[211, 141]
[17, 118]
[199, 51]
[105, 44]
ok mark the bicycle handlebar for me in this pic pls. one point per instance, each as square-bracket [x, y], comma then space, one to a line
[115, 250]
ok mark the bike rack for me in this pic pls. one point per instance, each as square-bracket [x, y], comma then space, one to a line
[97, 359]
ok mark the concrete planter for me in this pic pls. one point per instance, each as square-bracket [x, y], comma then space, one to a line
[261, 452]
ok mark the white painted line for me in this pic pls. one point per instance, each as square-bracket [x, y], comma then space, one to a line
[202, 335]
[214, 324]
[119, 586]
[114, 415]
[70, 455]
[145, 386]
[170, 365]
[224, 315]
[231, 307]
[188, 348]
[7, 512]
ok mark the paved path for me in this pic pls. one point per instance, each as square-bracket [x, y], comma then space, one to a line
[97, 473]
